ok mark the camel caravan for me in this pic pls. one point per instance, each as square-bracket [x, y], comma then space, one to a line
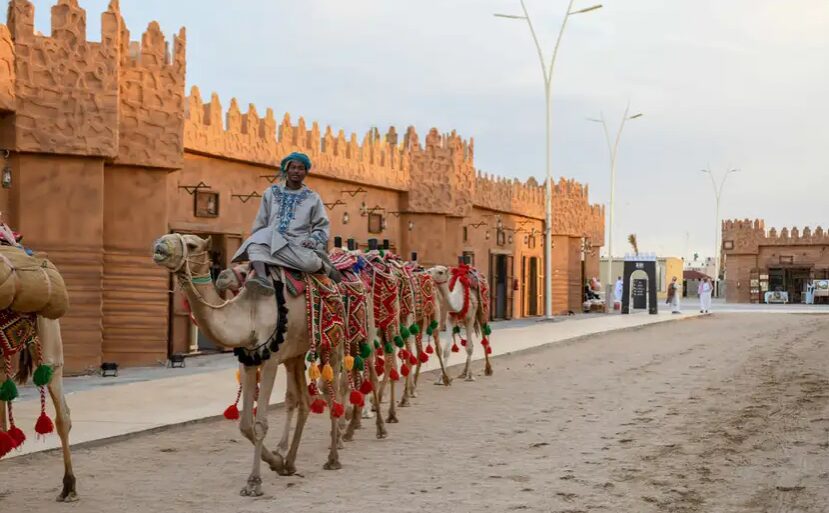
[348, 325]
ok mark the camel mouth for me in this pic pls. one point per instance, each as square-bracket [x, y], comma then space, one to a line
[160, 252]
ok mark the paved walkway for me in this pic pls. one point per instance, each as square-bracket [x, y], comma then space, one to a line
[146, 399]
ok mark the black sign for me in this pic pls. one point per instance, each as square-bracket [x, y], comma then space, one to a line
[640, 288]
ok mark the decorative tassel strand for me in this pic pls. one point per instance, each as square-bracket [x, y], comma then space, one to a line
[44, 425]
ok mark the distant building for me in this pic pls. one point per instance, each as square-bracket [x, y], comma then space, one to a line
[666, 268]
[756, 261]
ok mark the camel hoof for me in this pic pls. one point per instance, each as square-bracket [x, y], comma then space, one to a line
[68, 497]
[488, 371]
[368, 414]
[253, 488]
[348, 437]
[332, 465]
[382, 434]
[404, 403]
[392, 419]
[470, 378]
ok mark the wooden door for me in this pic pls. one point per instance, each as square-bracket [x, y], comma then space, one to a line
[510, 260]
[525, 289]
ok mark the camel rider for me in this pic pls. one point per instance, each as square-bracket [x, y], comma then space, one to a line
[290, 230]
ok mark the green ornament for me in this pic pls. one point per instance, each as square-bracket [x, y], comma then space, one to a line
[365, 350]
[8, 391]
[434, 325]
[456, 330]
[404, 332]
[42, 375]
[377, 345]
[487, 330]
[382, 253]
[398, 341]
[429, 331]
[311, 357]
[414, 329]
[388, 348]
[359, 364]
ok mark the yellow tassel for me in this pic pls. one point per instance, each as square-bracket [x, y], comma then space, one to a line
[314, 372]
[328, 373]
[349, 363]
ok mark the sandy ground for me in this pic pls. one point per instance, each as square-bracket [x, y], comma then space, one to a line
[728, 413]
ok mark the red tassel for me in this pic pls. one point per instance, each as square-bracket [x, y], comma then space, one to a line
[393, 375]
[412, 360]
[356, 398]
[429, 349]
[488, 350]
[318, 406]
[463, 342]
[455, 348]
[18, 436]
[366, 388]
[404, 369]
[484, 341]
[379, 366]
[254, 411]
[338, 410]
[312, 389]
[44, 425]
[232, 412]
[424, 357]
[6, 443]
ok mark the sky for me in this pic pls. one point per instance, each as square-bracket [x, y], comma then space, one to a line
[722, 84]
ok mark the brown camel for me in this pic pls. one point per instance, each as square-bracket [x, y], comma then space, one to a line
[233, 280]
[247, 324]
[48, 331]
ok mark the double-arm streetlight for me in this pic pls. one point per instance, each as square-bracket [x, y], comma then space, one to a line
[547, 72]
[717, 196]
[612, 148]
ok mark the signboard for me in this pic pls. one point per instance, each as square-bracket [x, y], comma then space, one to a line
[821, 288]
[640, 288]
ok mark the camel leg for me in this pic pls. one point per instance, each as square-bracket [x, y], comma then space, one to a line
[375, 397]
[257, 427]
[392, 417]
[444, 378]
[63, 424]
[470, 348]
[488, 367]
[333, 462]
[407, 381]
[297, 377]
[356, 415]
[292, 401]
[246, 423]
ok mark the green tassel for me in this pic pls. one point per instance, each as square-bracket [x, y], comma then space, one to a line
[404, 332]
[487, 330]
[311, 357]
[377, 345]
[8, 391]
[382, 253]
[429, 331]
[365, 350]
[434, 325]
[359, 364]
[388, 348]
[399, 342]
[414, 329]
[42, 375]
[456, 330]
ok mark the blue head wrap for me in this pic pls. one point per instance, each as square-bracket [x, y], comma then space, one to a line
[299, 157]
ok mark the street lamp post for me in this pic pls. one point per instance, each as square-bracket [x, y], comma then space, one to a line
[717, 196]
[613, 150]
[547, 72]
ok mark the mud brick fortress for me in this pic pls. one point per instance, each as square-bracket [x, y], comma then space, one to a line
[105, 151]
[756, 260]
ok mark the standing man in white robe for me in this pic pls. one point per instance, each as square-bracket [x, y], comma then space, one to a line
[704, 290]
[618, 290]
[673, 296]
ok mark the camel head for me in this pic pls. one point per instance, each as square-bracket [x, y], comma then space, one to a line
[440, 274]
[174, 250]
[232, 279]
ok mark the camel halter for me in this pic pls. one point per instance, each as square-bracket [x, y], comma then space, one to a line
[189, 278]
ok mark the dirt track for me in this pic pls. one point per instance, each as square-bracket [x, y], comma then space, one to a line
[722, 414]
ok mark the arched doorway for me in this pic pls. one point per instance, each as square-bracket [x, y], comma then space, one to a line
[639, 280]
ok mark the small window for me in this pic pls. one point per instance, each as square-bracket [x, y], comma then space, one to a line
[465, 233]
[501, 237]
[375, 223]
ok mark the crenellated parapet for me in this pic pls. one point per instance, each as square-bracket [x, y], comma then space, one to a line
[7, 96]
[510, 195]
[151, 95]
[248, 137]
[743, 236]
[66, 88]
[442, 174]
[572, 212]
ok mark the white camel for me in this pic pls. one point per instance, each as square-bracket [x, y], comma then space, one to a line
[472, 318]
[247, 324]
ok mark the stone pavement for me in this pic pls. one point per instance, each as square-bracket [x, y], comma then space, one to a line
[146, 399]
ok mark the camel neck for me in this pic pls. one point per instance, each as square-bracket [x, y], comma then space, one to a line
[454, 297]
